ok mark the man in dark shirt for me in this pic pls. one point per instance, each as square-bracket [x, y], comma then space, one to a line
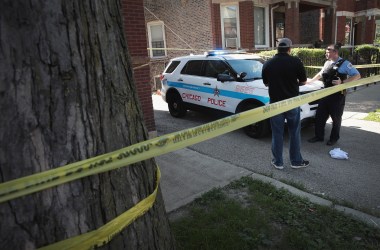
[283, 74]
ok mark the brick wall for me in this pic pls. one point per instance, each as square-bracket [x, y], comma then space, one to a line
[329, 23]
[370, 31]
[135, 33]
[366, 4]
[372, 4]
[246, 25]
[134, 26]
[188, 26]
[292, 25]
[347, 5]
[367, 27]
[216, 26]
[144, 92]
[340, 33]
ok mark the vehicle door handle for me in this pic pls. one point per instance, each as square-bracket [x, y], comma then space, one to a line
[180, 80]
[206, 83]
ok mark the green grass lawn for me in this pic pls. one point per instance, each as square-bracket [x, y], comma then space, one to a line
[373, 116]
[249, 214]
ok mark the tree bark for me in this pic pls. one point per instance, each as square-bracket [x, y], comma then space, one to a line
[67, 94]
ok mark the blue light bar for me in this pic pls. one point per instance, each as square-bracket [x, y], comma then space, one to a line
[224, 52]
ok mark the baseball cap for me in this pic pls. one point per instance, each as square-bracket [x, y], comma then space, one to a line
[285, 43]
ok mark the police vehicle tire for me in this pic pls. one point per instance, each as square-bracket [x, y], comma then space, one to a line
[258, 129]
[176, 106]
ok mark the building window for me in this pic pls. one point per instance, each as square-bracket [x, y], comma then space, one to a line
[230, 26]
[261, 21]
[377, 34]
[156, 33]
[348, 32]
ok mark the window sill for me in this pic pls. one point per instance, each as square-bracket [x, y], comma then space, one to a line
[158, 58]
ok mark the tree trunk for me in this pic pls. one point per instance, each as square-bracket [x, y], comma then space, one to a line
[67, 94]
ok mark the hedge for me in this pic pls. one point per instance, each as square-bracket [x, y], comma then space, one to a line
[362, 54]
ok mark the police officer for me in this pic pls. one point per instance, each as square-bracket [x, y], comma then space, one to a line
[334, 72]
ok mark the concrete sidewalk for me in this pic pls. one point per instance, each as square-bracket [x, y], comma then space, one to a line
[187, 174]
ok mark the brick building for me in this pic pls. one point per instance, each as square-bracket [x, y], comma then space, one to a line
[171, 28]
[135, 33]
[180, 27]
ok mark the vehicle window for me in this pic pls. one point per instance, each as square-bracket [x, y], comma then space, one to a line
[215, 67]
[252, 67]
[173, 65]
[193, 68]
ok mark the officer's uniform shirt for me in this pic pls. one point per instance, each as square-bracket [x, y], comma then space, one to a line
[346, 67]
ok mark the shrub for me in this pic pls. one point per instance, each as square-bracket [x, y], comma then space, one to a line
[362, 54]
[367, 53]
[309, 57]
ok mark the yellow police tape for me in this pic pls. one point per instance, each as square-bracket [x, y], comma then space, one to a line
[154, 147]
[105, 233]
[361, 66]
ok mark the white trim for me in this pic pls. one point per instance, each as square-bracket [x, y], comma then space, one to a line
[289, 3]
[336, 26]
[154, 23]
[272, 24]
[369, 12]
[267, 24]
[237, 1]
[345, 13]
[222, 5]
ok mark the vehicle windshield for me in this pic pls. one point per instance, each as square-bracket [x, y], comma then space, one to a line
[252, 67]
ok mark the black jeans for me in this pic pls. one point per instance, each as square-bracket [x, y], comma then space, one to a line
[332, 105]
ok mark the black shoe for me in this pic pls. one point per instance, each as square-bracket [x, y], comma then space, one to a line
[314, 139]
[331, 142]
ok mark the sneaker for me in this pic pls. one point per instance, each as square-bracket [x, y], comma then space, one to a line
[303, 164]
[276, 166]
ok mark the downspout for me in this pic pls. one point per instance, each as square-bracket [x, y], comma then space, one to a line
[336, 25]
[352, 33]
[353, 36]
[271, 20]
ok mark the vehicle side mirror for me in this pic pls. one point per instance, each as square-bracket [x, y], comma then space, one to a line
[225, 78]
[242, 75]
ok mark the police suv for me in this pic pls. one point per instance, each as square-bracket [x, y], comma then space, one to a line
[222, 80]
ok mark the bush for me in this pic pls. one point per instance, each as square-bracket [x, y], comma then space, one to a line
[303, 53]
[362, 54]
[367, 53]
[309, 57]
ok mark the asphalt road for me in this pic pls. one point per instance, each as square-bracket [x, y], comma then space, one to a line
[356, 180]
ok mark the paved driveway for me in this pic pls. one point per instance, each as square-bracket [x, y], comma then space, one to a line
[356, 180]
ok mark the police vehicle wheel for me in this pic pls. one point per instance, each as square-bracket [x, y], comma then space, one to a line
[258, 129]
[176, 106]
